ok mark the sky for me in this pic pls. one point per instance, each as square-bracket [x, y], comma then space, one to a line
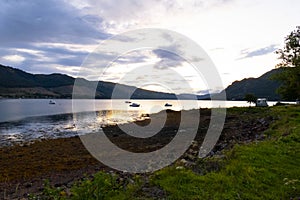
[57, 36]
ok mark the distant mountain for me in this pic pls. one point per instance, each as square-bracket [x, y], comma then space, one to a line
[261, 87]
[15, 83]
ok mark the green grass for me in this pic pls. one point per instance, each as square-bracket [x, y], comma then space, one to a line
[103, 186]
[263, 170]
[268, 170]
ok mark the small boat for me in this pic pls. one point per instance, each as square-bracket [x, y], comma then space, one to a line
[168, 105]
[127, 101]
[134, 105]
[52, 102]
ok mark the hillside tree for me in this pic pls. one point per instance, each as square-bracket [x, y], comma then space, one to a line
[290, 64]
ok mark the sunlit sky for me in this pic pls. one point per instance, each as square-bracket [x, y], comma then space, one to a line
[56, 36]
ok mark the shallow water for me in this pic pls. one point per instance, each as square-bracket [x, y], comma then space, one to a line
[61, 125]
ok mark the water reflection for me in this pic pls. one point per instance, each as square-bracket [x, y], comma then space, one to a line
[63, 125]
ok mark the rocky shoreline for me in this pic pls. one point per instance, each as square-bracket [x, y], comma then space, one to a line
[64, 161]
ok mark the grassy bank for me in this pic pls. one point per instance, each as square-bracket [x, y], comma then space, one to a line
[266, 169]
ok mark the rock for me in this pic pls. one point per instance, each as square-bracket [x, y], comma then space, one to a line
[191, 157]
[183, 161]
[194, 144]
[191, 153]
[189, 164]
[130, 180]
[179, 167]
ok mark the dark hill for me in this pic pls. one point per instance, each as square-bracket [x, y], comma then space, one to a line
[261, 87]
[11, 77]
[15, 83]
[14, 78]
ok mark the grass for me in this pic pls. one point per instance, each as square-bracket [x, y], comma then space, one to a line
[103, 186]
[260, 170]
[268, 170]
[264, 170]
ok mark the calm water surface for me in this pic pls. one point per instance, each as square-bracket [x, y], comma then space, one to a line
[30, 119]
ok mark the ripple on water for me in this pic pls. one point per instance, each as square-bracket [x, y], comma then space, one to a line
[60, 126]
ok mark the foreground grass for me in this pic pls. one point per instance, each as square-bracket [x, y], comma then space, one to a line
[261, 170]
[268, 170]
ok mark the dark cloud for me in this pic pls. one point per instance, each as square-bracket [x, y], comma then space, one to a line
[168, 59]
[246, 53]
[44, 57]
[34, 25]
[44, 21]
[166, 54]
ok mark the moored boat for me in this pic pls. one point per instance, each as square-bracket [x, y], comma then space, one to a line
[52, 102]
[168, 105]
[134, 105]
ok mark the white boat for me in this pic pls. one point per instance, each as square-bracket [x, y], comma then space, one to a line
[52, 102]
[134, 105]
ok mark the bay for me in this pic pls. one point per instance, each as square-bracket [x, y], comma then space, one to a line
[30, 119]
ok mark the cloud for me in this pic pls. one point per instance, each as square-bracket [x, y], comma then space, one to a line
[128, 14]
[226, 73]
[167, 59]
[217, 49]
[43, 36]
[166, 54]
[246, 53]
[41, 59]
[14, 58]
[45, 21]
[203, 92]
[133, 57]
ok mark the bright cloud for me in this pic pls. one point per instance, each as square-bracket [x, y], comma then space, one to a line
[14, 58]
